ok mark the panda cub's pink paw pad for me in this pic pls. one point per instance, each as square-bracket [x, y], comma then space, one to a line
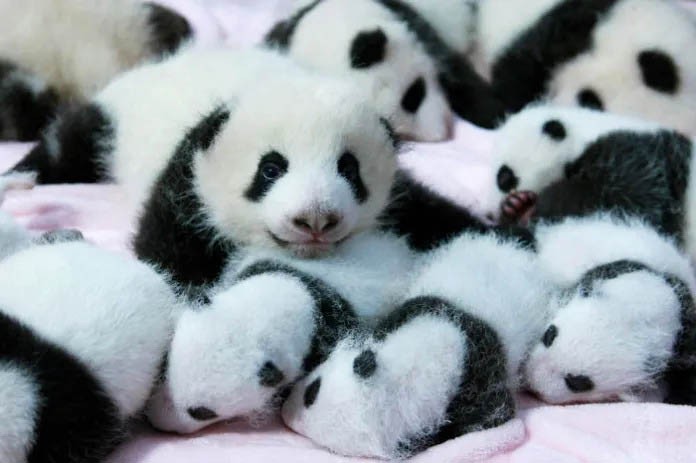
[518, 206]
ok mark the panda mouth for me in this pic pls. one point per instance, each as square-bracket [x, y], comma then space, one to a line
[303, 247]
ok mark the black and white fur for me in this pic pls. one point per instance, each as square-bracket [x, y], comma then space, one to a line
[83, 335]
[410, 53]
[65, 51]
[274, 320]
[575, 162]
[623, 56]
[625, 325]
[442, 364]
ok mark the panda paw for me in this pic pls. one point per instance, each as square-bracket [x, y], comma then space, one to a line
[518, 207]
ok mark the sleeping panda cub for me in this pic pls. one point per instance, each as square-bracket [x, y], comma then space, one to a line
[410, 53]
[64, 51]
[222, 150]
[444, 363]
[586, 53]
[553, 162]
[272, 321]
[79, 353]
[625, 328]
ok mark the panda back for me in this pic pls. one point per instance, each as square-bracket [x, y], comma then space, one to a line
[19, 397]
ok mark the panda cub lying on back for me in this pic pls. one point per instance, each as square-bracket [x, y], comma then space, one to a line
[409, 53]
[587, 53]
[64, 51]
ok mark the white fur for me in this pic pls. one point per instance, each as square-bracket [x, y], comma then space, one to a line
[77, 46]
[12, 236]
[113, 313]
[18, 406]
[325, 34]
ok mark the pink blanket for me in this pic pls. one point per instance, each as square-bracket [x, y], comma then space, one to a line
[609, 432]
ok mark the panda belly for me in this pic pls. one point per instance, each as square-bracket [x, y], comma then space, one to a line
[53, 408]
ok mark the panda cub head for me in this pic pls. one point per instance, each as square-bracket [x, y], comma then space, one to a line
[298, 165]
[378, 49]
[610, 340]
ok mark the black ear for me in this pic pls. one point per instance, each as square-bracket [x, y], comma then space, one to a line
[202, 136]
[368, 48]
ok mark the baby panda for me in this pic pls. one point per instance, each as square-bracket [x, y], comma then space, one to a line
[444, 363]
[61, 52]
[273, 320]
[553, 162]
[221, 150]
[83, 334]
[589, 54]
[410, 53]
[625, 326]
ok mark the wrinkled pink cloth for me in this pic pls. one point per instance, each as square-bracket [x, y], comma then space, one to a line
[459, 168]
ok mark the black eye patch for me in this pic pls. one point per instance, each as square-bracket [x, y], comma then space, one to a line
[588, 98]
[270, 375]
[579, 383]
[506, 179]
[202, 413]
[365, 364]
[659, 71]
[311, 392]
[368, 48]
[554, 129]
[414, 96]
[550, 335]
[349, 168]
[272, 166]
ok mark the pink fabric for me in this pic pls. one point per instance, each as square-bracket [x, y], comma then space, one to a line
[608, 432]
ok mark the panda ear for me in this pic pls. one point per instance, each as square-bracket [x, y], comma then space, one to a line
[368, 48]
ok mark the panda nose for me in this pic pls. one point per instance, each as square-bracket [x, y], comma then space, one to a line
[316, 223]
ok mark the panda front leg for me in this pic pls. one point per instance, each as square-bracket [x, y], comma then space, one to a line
[71, 150]
[430, 372]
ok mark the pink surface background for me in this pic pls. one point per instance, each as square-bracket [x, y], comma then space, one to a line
[586, 433]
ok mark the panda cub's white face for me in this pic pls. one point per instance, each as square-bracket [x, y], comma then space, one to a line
[300, 167]
[607, 345]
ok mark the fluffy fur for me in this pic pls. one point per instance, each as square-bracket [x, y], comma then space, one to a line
[624, 327]
[69, 50]
[80, 354]
[441, 365]
[409, 53]
[575, 52]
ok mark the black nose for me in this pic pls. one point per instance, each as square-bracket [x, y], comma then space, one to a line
[579, 383]
[202, 413]
[507, 180]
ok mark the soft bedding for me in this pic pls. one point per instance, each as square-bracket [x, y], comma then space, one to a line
[622, 432]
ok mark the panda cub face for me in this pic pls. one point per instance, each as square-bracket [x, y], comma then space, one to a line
[300, 167]
[610, 340]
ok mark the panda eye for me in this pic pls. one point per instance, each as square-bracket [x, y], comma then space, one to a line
[550, 336]
[349, 167]
[271, 170]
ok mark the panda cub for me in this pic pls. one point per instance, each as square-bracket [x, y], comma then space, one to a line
[625, 327]
[410, 53]
[553, 162]
[274, 320]
[79, 354]
[587, 53]
[221, 150]
[444, 363]
[64, 51]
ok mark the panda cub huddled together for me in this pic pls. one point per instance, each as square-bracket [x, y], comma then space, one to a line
[64, 53]
[410, 53]
[622, 56]
[64, 395]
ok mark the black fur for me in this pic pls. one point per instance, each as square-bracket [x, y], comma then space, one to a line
[281, 34]
[76, 421]
[365, 364]
[24, 114]
[506, 179]
[368, 48]
[201, 413]
[83, 136]
[680, 377]
[311, 392]
[590, 99]
[659, 71]
[391, 133]
[270, 375]
[349, 169]
[423, 216]
[59, 236]
[550, 335]
[272, 166]
[608, 271]
[168, 234]
[167, 28]
[467, 92]
[554, 129]
[643, 174]
[483, 400]
[578, 383]
[334, 316]
[523, 71]
[414, 96]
